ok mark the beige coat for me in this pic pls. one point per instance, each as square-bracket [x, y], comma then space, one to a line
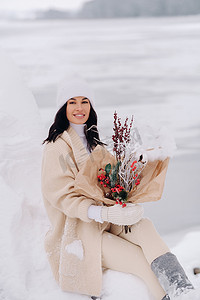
[73, 244]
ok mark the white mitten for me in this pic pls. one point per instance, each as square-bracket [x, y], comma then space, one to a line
[119, 215]
[94, 212]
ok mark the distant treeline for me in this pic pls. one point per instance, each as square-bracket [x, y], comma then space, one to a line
[137, 8]
[125, 9]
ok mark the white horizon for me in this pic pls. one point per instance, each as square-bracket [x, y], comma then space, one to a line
[23, 5]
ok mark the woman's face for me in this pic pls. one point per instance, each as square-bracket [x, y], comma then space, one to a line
[78, 109]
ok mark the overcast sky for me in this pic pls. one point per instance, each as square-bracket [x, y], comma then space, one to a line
[35, 4]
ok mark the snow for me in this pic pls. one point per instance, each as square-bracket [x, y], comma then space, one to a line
[75, 248]
[24, 270]
[117, 286]
[160, 140]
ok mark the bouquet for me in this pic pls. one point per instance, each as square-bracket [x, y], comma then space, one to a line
[125, 176]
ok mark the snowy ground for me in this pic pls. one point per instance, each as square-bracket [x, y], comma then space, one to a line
[133, 59]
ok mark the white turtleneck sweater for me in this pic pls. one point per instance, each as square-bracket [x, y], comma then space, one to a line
[94, 211]
[79, 128]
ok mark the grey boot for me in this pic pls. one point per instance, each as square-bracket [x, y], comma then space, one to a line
[171, 275]
[166, 297]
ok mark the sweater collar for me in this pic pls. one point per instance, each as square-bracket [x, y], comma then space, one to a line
[71, 137]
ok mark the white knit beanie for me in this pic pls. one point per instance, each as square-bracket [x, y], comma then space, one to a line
[73, 86]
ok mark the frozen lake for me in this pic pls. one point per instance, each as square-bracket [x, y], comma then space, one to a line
[151, 67]
[146, 67]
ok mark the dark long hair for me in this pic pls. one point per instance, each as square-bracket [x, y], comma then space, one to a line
[61, 123]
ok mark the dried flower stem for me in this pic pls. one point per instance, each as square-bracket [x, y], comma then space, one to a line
[121, 136]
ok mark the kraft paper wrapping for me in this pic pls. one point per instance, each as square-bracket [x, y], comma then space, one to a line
[150, 188]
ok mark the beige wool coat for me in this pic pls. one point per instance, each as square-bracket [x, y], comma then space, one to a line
[73, 243]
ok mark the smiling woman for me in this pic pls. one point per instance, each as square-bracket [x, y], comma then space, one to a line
[75, 109]
[78, 110]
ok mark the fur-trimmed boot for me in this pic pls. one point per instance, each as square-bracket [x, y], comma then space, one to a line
[171, 275]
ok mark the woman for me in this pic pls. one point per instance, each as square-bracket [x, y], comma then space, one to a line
[86, 236]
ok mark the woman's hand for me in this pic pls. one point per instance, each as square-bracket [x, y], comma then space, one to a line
[119, 215]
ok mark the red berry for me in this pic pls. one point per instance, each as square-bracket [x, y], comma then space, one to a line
[105, 185]
[120, 202]
[124, 205]
[101, 182]
[134, 162]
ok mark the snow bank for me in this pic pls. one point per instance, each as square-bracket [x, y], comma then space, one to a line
[188, 253]
[24, 271]
[17, 101]
[22, 216]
